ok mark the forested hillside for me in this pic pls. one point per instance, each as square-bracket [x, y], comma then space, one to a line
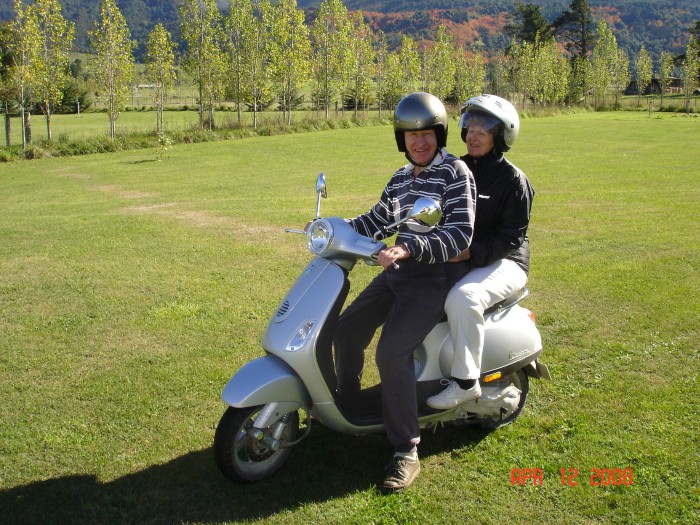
[658, 25]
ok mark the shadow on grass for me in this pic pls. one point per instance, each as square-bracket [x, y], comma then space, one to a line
[191, 489]
[141, 161]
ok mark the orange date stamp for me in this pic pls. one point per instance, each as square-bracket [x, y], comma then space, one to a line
[571, 477]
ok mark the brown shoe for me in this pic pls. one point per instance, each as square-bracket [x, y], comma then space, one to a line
[400, 474]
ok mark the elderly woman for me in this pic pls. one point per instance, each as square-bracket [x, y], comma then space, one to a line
[499, 254]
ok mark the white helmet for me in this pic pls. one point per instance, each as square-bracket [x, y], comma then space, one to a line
[492, 111]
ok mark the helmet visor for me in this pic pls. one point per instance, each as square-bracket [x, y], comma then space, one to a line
[481, 120]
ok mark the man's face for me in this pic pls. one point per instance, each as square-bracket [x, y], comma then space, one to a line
[421, 145]
[479, 141]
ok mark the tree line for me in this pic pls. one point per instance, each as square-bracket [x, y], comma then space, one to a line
[258, 53]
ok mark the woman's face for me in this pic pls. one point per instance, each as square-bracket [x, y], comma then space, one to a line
[479, 141]
[421, 145]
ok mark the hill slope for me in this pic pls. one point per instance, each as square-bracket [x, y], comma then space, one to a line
[658, 25]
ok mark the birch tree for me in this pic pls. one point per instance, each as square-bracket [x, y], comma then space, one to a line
[360, 65]
[440, 69]
[393, 87]
[331, 39]
[644, 67]
[237, 28]
[290, 53]
[381, 54]
[470, 73]
[603, 62]
[23, 51]
[402, 72]
[666, 65]
[200, 25]
[256, 59]
[498, 77]
[579, 82]
[160, 68]
[521, 69]
[620, 74]
[550, 73]
[50, 70]
[113, 64]
[690, 68]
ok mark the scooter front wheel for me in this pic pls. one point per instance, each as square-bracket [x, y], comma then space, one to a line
[242, 453]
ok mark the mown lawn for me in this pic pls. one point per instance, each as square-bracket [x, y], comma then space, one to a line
[131, 290]
[96, 124]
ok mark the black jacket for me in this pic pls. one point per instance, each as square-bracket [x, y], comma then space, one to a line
[504, 200]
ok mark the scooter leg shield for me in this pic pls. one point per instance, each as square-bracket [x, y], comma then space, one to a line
[265, 380]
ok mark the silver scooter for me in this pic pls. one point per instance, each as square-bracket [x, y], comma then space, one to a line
[297, 374]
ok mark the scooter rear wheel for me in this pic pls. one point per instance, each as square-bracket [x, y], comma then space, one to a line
[518, 379]
[243, 458]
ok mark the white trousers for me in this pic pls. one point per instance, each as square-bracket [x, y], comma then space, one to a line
[465, 306]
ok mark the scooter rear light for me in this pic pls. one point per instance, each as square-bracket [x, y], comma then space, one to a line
[532, 317]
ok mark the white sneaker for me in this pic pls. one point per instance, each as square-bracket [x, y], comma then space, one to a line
[453, 395]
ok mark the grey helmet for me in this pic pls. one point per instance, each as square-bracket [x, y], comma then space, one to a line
[416, 112]
[494, 112]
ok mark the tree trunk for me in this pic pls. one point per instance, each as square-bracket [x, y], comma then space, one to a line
[22, 125]
[27, 128]
[8, 127]
[49, 135]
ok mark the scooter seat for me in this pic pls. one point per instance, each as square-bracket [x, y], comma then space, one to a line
[509, 301]
[505, 303]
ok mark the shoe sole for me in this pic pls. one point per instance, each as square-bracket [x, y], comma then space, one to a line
[443, 407]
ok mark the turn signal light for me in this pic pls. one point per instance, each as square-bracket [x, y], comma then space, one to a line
[492, 377]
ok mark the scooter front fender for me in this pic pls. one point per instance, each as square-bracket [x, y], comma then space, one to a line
[265, 380]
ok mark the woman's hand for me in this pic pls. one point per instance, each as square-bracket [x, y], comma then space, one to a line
[389, 256]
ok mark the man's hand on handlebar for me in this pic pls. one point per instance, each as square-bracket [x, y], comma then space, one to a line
[389, 256]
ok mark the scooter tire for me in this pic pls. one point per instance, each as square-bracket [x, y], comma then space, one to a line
[242, 458]
[520, 380]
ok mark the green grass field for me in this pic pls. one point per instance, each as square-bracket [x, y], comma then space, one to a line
[96, 124]
[132, 289]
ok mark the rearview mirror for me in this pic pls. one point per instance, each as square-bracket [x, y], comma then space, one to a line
[320, 192]
[427, 211]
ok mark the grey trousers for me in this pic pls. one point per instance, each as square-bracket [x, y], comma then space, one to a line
[408, 303]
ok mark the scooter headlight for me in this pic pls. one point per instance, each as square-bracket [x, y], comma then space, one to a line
[319, 236]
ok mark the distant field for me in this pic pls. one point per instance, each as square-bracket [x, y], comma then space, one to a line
[97, 123]
[136, 120]
[131, 290]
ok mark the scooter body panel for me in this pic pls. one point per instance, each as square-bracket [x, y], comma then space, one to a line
[510, 336]
[293, 333]
[265, 380]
